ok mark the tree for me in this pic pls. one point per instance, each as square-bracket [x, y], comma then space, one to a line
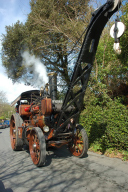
[5, 109]
[13, 45]
[51, 30]
[124, 39]
[3, 98]
[110, 72]
[105, 117]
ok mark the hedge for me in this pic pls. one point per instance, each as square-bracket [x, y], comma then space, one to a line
[106, 124]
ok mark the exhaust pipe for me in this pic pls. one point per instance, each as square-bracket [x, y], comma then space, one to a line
[53, 85]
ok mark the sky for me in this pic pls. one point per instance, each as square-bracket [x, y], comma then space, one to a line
[10, 12]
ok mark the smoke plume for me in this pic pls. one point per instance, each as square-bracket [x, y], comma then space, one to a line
[36, 68]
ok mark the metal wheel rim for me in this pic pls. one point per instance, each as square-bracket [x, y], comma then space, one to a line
[13, 133]
[34, 147]
[77, 145]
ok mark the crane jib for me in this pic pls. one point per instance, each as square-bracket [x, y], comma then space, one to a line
[84, 63]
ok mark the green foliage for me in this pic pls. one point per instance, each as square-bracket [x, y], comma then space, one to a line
[125, 155]
[105, 117]
[108, 67]
[124, 39]
[51, 30]
[13, 45]
[5, 109]
[106, 122]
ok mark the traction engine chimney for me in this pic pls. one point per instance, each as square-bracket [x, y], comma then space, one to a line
[53, 85]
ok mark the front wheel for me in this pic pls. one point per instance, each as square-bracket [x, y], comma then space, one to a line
[79, 145]
[37, 147]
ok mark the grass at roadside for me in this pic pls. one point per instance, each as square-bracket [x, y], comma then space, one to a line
[113, 153]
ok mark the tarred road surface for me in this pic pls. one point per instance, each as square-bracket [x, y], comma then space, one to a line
[62, 173]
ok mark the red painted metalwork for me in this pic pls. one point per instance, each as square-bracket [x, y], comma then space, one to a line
[77, 146]
[46, 106]
[39, 121]
[27, 109]
[22, 111]
[28, 133]
[57, 145]
[50, 134]
[34, 147]
[35, 109]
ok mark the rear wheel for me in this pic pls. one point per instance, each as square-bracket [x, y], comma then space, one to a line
[37, 147]
[15, 122]
[79, 145]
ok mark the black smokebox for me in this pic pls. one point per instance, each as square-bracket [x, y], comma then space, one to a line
[53, 85]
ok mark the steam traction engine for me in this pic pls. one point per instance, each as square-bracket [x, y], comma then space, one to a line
[41, 120]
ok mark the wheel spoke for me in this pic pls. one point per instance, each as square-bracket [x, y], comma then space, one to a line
[79, 147]
[34, 148]
[37, 147]
[79, 144]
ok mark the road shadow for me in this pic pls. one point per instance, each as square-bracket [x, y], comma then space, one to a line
[2, 188]
[65, 174]
[60, 175]
[54, 153]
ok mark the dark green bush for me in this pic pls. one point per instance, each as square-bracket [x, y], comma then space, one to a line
[106, 122]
